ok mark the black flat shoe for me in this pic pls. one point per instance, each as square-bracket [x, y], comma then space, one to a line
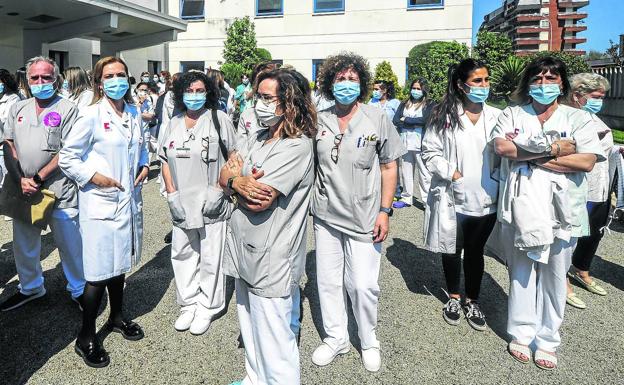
[129, 330]
[93, 354]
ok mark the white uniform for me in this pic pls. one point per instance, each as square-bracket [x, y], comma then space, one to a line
[6, 101]
[537, 291]
[37, 140]
[111, 220]
[266, 251]
[198, 209]
[345, 204]
[412, 160]
[83, 100]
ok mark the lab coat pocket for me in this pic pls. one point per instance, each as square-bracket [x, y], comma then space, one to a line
[215, 203]
[459, 191]
[212, 148]
[175, 207]
[52, 140]
[103, 204]
[365, 212]
[254, 264]
[366, 155]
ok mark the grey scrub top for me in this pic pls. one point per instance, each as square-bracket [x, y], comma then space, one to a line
[267, 249]
[38, 139]
[347, 193]
[195, 159]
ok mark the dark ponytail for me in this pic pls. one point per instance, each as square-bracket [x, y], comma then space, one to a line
[445, 115]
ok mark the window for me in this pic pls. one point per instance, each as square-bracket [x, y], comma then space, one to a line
[186, 66]
[269, 7]
[425, 3]
[316, 67]
[191, 9]
[154, 67]
[321, 6]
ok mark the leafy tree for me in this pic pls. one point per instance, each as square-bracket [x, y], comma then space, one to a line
[263, 55]
[232, 73]
[595, 55]
[575, 64]
[240, 45]
[614, 53]
[492, 48]
[432, 61]
[506, 77]
[383, 71]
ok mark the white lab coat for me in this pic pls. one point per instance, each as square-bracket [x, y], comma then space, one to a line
[111, 220]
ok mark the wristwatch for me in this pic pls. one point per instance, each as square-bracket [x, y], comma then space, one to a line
[37, 179]
[230, 182]
[386, 210]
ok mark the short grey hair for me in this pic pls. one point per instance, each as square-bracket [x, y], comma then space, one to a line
[46, 59]
[586, 83]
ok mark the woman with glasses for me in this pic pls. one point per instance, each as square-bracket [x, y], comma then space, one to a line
[195, 146]
[266, 241]
[356, 147]
[106, 155]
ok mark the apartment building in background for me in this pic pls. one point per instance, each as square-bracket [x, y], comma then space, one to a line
[79, 32]
[540, 25]
[304, 32]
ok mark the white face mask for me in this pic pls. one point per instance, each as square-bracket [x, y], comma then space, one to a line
[266, 113]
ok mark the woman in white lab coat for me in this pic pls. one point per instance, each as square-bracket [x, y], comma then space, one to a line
[106, 155]
[78, 86]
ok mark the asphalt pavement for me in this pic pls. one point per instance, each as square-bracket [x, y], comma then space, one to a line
[418, 347]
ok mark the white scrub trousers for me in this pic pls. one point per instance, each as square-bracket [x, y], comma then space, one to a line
[271, 352]
[27, 250]
[412, 160]
[537, 296]
[346, 266]
[196, 257]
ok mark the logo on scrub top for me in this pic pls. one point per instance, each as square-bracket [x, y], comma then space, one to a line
[19, 119]
[247, 125]
[323, 132]
[171, 145]
[107, 127]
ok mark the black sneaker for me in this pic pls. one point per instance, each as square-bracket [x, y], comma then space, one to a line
[452, 311]
[168, 237]
[18, 299]
[475, 317]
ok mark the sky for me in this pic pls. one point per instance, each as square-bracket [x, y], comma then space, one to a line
[605, 21]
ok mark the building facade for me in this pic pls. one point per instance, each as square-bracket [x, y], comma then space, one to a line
[302, 33]
[79, 32]
[540, 25]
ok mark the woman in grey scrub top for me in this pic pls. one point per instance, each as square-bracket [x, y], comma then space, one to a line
[192, 154]
[271, 178]
[356, 149]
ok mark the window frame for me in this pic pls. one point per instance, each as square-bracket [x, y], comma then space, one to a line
[425, 6]
[333, 10]
[316, 63]
[272, 14]
[196, 17]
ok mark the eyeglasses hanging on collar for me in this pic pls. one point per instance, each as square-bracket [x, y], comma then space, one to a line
[336, 149]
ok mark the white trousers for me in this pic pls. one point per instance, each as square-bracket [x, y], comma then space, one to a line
[196, 257]
[271, 352]
[346, 266]
[537, 296]
[413, 160]
[27, 251]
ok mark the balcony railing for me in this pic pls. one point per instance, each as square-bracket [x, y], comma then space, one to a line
[572, 16]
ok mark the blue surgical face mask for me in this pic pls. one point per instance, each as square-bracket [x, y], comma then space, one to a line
[43, 91]
[145, 79]
[194, 101]
[416, 94]
[544, 94]
[346, 92]
[1, 88]
[593, 105]
[65, 85]
[376, 94]
[478, 94]
[115, 88]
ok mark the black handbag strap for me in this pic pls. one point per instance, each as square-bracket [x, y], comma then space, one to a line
[215, 120]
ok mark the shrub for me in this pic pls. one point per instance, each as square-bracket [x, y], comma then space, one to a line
[505, 77]
[263, 55]
[383, 71]
[240, 45]
[232, 73]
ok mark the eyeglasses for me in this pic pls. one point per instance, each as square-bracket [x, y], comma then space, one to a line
[266, 98]
[336, 149]
[205, 153]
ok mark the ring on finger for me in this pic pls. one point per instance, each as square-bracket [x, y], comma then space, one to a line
[251, 194]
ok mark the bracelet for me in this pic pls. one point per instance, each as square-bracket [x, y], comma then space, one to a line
[230, 182]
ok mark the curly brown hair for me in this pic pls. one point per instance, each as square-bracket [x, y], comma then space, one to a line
[295, 96]
[337, 63]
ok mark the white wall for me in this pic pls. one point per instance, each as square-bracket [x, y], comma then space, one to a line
[376, 30]
[11, 43]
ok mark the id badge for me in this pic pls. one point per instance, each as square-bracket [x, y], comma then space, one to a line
[183, 152]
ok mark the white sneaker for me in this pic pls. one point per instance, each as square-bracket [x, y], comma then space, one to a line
[184, 321]
[371, 358]
[200, 323]
[325, 354]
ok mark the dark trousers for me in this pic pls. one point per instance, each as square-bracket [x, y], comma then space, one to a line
[472, 234]
[587, 246]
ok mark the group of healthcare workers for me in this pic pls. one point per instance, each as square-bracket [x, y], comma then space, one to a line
[239, 198]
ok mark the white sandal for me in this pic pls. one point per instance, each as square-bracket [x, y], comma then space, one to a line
[545, 356]
[515, 347]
